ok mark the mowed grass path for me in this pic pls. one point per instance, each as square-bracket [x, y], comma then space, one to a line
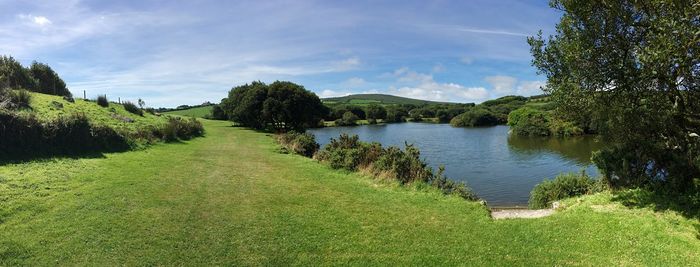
[231, 199]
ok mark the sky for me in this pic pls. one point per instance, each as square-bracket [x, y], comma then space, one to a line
[171, 53]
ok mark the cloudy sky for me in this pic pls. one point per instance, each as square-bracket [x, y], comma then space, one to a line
[187, 52]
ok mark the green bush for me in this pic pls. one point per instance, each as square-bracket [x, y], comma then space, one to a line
[529, 122]
[179, 128]
[102, 101]
[24, 136]
[21, 98]
[563, 186]
[300, 143]
[403, 166]
[132, 108]
[475, 117]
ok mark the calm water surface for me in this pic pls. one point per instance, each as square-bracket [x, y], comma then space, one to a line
[501, 168]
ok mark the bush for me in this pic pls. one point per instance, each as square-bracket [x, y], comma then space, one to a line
[300, 143]
[563, 186]
[21, 98]
[25, 136]
[131, 107]
[529, 122]
[178, 128]
[403, 166]
[475, 117]
[102, 101]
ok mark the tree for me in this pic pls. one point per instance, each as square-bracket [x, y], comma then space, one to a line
[633, 68]
[14, 75]
[475, 117]
[48, 81]
[280, 106]
[376, 112]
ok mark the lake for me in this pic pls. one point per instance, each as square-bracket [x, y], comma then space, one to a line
[501, 168]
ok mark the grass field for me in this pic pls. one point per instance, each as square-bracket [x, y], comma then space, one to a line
[198, 112]
[231, 199]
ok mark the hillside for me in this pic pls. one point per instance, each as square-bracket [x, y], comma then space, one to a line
[366, 99]
[49, 107]
[196, 112]
[230, 198]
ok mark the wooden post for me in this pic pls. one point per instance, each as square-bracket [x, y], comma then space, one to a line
[84, 98]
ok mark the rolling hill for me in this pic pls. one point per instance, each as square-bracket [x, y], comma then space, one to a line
[196, 112]
[366, 99]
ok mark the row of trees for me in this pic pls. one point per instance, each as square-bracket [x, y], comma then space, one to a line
[38, 77]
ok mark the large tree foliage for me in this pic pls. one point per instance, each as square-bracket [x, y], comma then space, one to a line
[280, 106]
[48, 80]
[14, 76]
[630, 68]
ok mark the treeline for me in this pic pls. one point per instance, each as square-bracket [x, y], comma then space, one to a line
[38, 77]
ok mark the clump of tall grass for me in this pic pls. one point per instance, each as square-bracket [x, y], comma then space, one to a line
[563, 186]
[178, 128]
[405, 166]
[300, 143]
[132, 108]
[102, 101]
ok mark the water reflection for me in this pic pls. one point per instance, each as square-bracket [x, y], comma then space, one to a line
[579, 148]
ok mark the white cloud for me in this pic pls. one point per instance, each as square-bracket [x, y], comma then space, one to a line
[37, 20]
[501, 84]
[423, 86]
[331, 93]
[490, 31]
[528, 88]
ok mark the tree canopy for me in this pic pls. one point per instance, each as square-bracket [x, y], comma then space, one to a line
[631, 68]
[39, 77]
[279, 106]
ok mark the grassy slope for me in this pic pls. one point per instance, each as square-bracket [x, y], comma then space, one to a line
[198, 112]
[366, 99]
[231, 199]
[42, 105]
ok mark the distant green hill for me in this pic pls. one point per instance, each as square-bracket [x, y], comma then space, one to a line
[366, 99]
[196, 112]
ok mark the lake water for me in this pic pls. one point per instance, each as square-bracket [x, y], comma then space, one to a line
[501, 168]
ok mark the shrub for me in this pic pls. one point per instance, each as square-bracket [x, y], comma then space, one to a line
[21, 98]
[131, 107]
[404, 166]
[529, 122]
[178, 128]
[102, 101]
[563, 186]
[475, 117]
[69, 99]
[300, 143]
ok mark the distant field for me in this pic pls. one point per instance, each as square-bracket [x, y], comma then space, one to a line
[198, 112]
[366, 99]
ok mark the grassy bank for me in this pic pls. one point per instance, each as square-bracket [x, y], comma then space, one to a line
[231, 199]
[196, 112]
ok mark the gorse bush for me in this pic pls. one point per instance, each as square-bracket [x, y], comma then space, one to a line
[405, 166]
[179, 128]
[102, 101]
[563, 186]
[300, 143]
[131, 107]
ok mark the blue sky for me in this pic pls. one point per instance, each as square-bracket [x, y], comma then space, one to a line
[187, 52]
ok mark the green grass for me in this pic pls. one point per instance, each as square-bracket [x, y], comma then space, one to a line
[231, 199]
[49, 107]
[198, 112]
